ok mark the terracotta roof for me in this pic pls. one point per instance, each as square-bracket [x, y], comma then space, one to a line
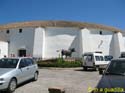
[57, 24]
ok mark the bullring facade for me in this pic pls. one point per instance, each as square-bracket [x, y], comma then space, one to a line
[46, 39]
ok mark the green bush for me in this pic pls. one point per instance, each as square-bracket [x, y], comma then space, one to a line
[59, 63]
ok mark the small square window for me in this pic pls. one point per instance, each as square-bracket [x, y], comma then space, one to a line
[8, 31]
[20, 30]
[100, 32]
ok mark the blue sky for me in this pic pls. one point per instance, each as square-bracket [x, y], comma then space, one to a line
[107, 12]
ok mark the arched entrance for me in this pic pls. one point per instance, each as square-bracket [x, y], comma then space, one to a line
[22, 52]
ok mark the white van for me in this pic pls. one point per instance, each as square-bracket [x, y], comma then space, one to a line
[93, 60]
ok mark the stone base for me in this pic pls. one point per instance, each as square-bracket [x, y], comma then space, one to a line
[56, 90]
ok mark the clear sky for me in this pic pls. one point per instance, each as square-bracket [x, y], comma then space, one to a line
[107, 12]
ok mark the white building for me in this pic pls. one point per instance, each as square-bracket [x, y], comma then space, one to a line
[45, 39]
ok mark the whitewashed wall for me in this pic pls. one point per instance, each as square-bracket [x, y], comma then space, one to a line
[3, 49]
[123, 33]
[17, 41]
[118, 44]
[92, 40]
[48, 42]
[39, 42]
[60, 38]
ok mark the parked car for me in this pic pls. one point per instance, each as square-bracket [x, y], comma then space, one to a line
[14, 71]
[108, 58]
[93, 60]
[122, 55]
[113, 79]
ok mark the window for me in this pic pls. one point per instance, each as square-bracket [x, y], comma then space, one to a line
[22, 53]
[97, 58]
[8, 31]
[100, 32]
[20, 30]
[22, 63]
[32, 60]
[8, 63]
[29, 62]
[117, 66]
[108, 58]
[101, 58]
[88, 57]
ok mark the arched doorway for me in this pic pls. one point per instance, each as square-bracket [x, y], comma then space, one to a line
[22, 52]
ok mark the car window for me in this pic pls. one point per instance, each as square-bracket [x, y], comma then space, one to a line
[97, 58]
[29, 62]
[8, 63]
[88, 58]
[116, 67]
[22, 63]
[108, 58]
[101, 58]
[33, 61]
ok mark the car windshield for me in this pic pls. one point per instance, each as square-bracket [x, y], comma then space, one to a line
[108, 58]
[116, 67]
[88, 57]
[8, 63]
[99, 58]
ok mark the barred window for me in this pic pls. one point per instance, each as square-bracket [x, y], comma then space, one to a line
[20, 30]
[8, 31]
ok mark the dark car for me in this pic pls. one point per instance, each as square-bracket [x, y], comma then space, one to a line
[113, 79]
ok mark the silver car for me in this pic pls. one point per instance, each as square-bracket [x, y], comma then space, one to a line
[14, 71]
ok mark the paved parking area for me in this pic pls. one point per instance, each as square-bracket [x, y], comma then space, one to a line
[74, 80]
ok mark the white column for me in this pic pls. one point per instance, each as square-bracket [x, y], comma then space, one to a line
[84, 41]
[39, 42]
[118, 44]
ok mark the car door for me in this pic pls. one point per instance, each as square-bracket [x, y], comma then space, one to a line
[89, 60]
[24, 71]
[31, 68]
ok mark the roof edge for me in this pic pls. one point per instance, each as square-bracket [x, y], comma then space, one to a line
[51, 23]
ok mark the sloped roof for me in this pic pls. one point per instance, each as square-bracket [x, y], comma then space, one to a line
[57, 24]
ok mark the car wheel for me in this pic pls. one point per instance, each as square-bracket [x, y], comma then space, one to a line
[85, 68]
[96, 68]
[35, 76]
[100, 71]
[12, 86]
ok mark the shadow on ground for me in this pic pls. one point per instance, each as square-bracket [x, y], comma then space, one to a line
[21, 85]
[88, 70]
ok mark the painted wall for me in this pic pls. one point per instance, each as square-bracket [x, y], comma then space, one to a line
[92, 40]
[60, 38]
[3, 49]
[118, 44]
[48, 42]
[24, 40]
[123, 33]
[39, 42]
